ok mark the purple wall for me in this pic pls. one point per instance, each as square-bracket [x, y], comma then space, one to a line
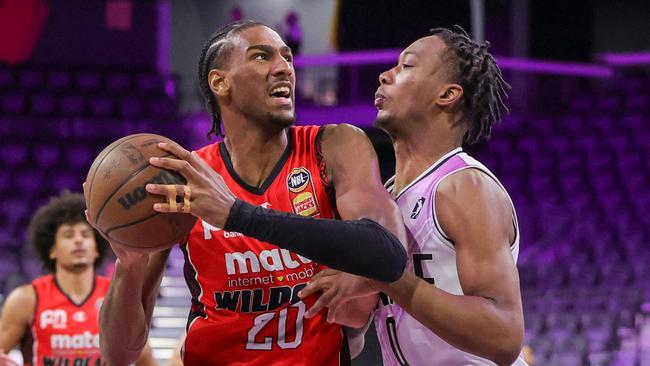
[76, 34]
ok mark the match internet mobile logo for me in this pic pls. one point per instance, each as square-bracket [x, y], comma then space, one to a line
[271, 260]
[57, 319]
[84, 340]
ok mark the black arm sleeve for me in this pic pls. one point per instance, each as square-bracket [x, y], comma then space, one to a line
[361, 247]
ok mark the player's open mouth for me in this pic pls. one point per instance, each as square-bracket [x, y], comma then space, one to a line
[281, 92]
[281, 95]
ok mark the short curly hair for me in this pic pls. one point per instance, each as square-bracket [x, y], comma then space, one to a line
[477, 71]
[67, 208]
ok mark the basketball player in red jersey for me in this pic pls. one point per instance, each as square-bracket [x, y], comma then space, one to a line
[55, 318]
[266, 183]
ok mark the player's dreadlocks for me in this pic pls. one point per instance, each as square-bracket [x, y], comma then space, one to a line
[214, 54]
[474, 69]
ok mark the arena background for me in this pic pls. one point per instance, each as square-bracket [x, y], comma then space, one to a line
[574, 152]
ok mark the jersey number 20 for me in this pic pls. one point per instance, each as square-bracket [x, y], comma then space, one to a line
[267, 342]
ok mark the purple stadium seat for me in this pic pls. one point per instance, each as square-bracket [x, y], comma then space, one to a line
[62, 181]
[14, 209]
[59, 80]
[7, 78]
[72, 105]
[636, 103]
[28, 181]
[148, 83]
[542, 345]
[160, 107]
[89, 81]
[118, 82]
[43, 104]
[608, 103]
[46, 156]
[131, 106]
[581, 103]
[30, 79]
[13, 103]
[101, 106]
[79, 157]
[632, 122]
[13, 155]
[567, 358]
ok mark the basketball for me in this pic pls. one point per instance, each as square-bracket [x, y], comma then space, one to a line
[118, 204]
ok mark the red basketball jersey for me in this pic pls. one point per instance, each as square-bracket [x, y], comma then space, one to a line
[64, 333]
[245, 305]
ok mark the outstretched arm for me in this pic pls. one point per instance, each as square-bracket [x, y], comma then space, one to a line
[488, 319]
[128, 306]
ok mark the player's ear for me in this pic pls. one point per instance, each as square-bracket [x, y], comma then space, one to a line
[52, 255]
[218, 82]
[449, 95]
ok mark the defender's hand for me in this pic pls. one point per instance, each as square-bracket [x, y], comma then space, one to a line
[337, 289]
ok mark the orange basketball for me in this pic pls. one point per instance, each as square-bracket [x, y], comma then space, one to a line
[118, 204]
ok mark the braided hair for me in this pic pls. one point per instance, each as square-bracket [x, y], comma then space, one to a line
[477, 72]
[215, 53]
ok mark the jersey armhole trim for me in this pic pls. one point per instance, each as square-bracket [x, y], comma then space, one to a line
[437, 225]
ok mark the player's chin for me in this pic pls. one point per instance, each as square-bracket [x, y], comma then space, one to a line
[283, 118]
[383, 119]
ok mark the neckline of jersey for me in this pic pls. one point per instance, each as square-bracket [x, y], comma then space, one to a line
[92, 290]
[225, 155]
[425, 173]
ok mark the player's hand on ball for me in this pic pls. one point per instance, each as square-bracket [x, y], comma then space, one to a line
[337, 289]
[123, 254]
[205, 195]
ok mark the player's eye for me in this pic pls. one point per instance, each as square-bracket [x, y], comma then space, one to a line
[260, 56]
[289, 58]
[406, 66]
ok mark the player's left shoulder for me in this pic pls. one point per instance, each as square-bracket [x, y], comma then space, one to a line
[342, 133]
[470, 184]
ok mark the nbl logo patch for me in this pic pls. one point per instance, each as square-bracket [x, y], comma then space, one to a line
[302, 193]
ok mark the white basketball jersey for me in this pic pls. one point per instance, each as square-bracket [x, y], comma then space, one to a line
[432, 257]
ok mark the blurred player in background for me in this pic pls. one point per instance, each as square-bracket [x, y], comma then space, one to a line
[460, 302]
[267, 183]
[55, 318]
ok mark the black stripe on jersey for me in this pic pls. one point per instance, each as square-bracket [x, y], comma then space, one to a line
[225, 155]
[437, 225]
[92, 290]
[428, 173]
[197, 309]
[344, 353]
[27, 345]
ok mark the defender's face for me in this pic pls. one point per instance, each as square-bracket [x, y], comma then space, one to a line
[74, 246]
[262, 77]
[409, 90]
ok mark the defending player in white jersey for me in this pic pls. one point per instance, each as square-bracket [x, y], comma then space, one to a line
[459, 303]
